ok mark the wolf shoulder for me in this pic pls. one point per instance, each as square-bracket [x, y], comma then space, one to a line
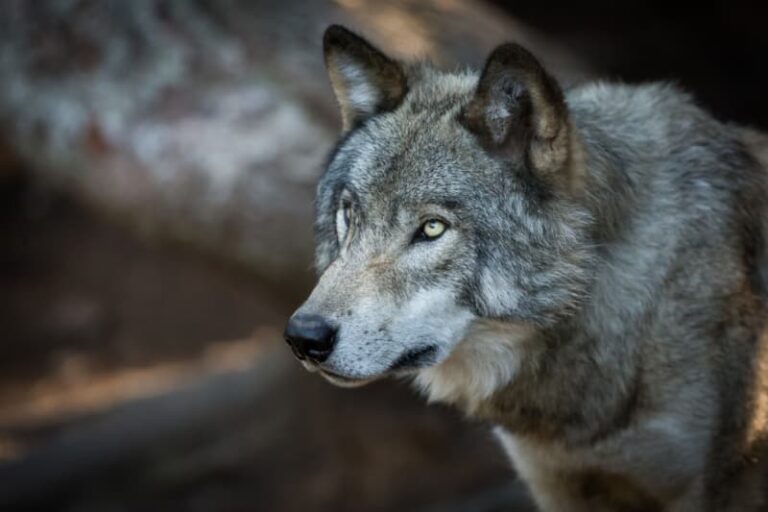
[655, 141]
[655, 120]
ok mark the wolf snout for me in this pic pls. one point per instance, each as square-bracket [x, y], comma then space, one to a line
[310, 337]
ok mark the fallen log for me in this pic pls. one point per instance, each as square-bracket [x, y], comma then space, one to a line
[208, 121]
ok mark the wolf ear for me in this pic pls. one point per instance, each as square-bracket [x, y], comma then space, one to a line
[364, 80]
[518, 109]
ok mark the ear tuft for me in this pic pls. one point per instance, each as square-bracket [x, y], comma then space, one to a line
[364, 80]
[519, 109]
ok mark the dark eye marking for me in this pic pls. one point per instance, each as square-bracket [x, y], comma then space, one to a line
[346, 212]
[450, 204]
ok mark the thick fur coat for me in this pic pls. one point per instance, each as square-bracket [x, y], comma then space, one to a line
[585, 269]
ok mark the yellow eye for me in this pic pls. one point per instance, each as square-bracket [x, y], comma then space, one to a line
[433, 228]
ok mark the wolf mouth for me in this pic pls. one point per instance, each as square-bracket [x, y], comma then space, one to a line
[343, 381]
[414, 358]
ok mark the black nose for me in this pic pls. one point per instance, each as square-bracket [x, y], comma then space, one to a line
[310, 336]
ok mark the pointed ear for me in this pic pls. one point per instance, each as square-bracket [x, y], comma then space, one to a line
[518, 110]
[364, 80]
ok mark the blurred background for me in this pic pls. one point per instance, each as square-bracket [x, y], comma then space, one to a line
[157, 166]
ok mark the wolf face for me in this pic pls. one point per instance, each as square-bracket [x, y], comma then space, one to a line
[451, 199]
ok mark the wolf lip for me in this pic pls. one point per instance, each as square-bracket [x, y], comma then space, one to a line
[341, 380]
[335, 375]
[414, 358]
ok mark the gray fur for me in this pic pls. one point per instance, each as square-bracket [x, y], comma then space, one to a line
[614, 300]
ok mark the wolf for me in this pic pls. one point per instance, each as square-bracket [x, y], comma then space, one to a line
[585, 270]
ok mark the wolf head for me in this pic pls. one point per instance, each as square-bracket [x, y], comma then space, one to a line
[450, 199]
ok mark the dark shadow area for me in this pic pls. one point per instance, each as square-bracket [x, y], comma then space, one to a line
[716, 50]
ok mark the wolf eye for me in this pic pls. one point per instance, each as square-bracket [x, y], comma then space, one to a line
[430, 230]
[343, 218]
